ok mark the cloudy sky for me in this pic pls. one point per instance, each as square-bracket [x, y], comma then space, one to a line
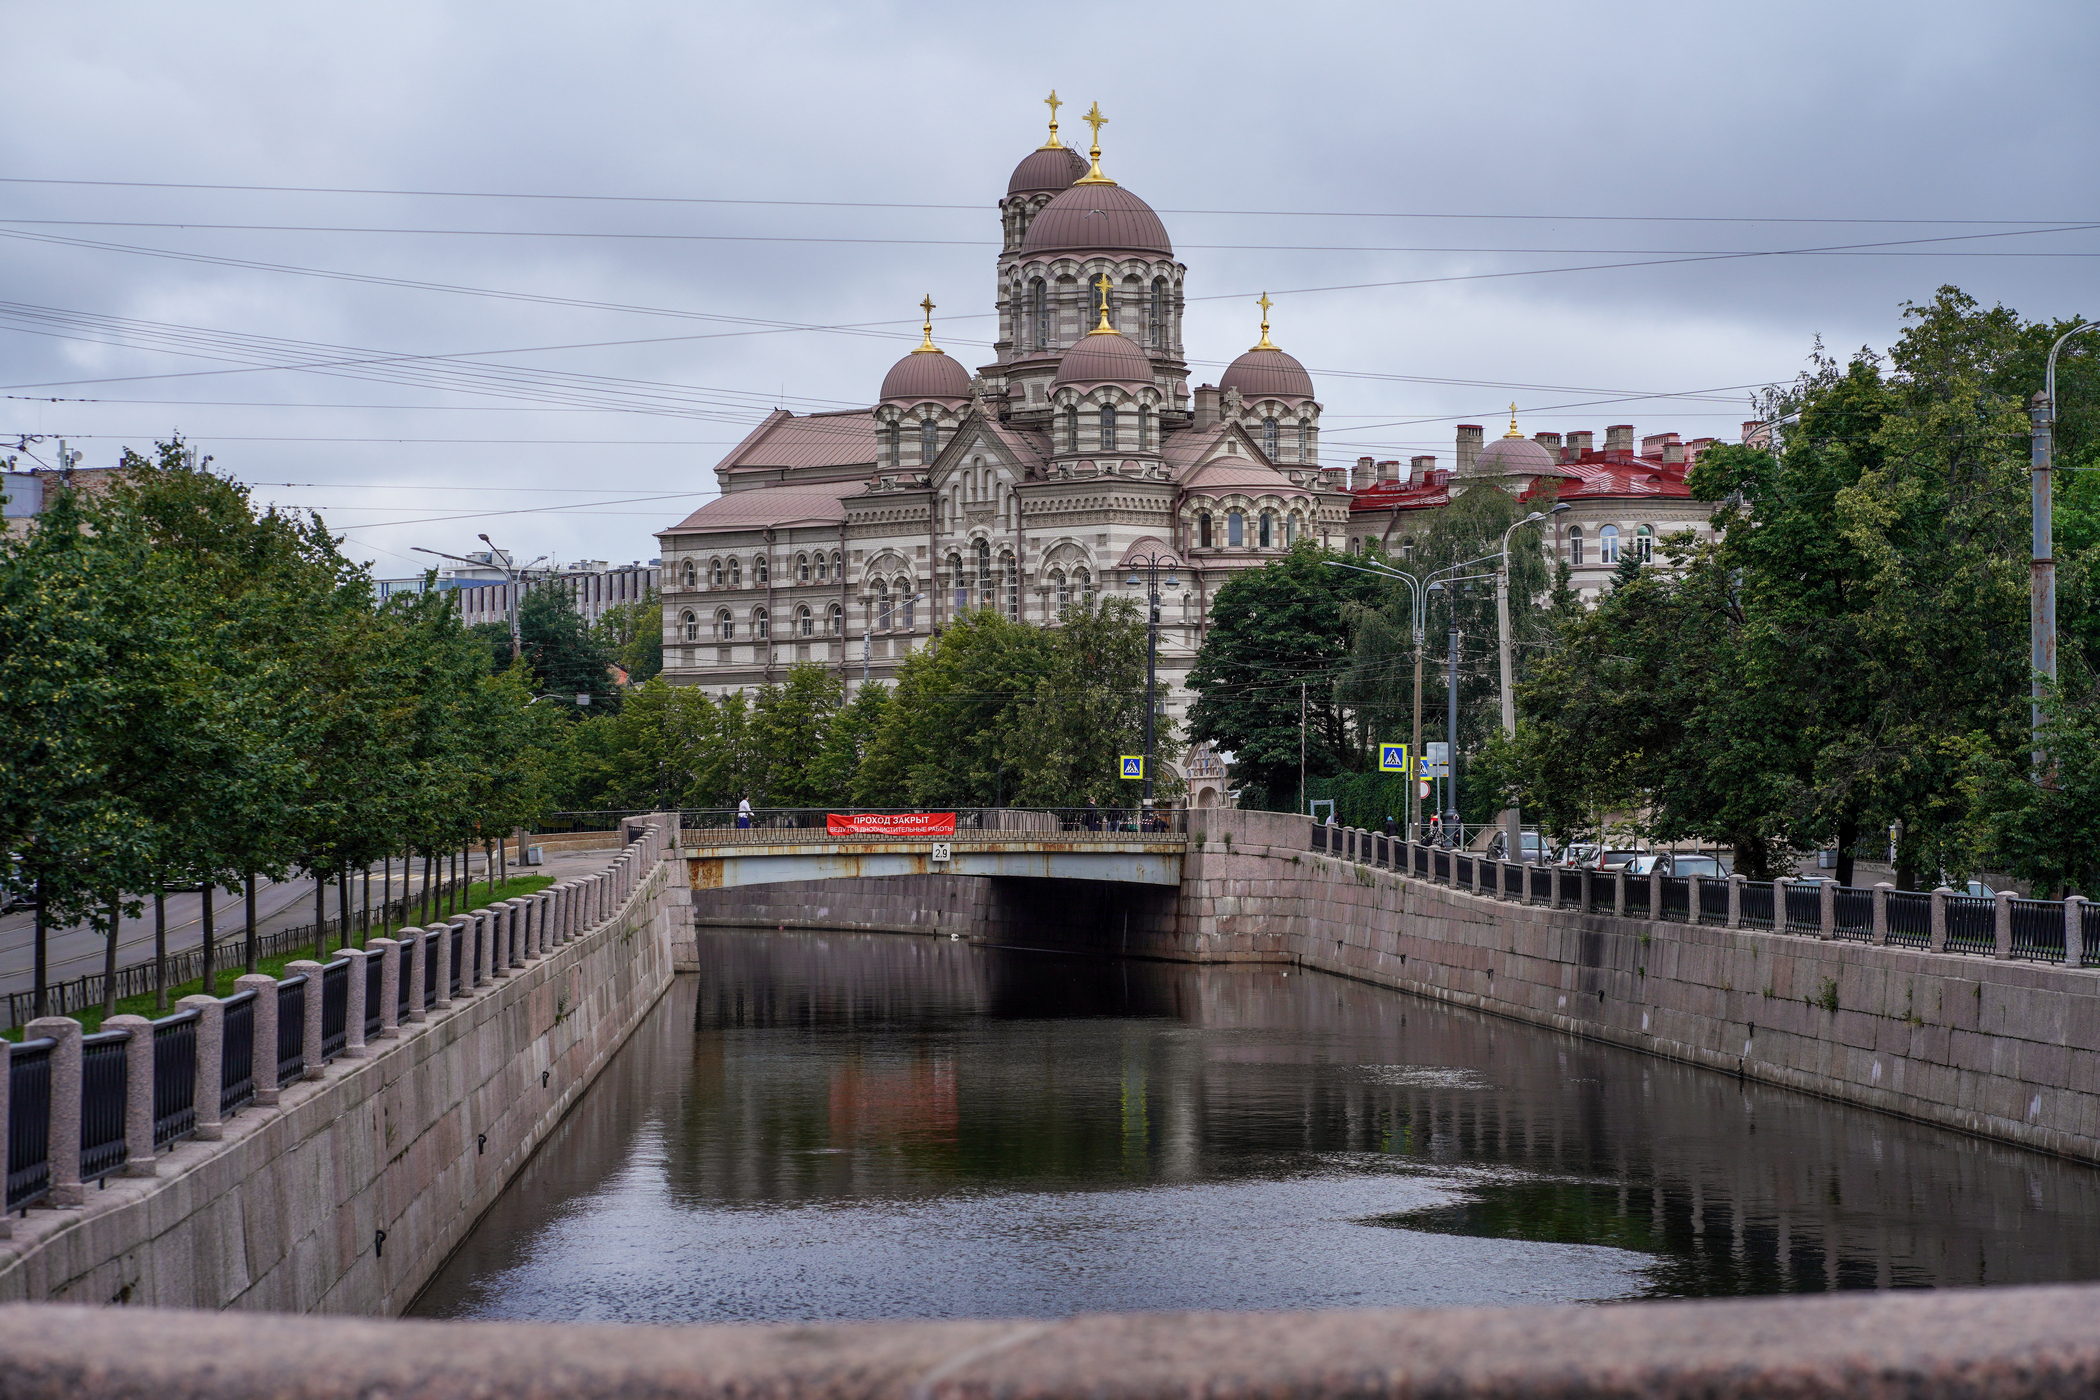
[545, 263]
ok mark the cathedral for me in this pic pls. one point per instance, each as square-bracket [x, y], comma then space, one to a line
[1077, 462]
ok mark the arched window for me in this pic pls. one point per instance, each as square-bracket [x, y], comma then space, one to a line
[690, 623]
[1084, 582]
[1039, 312]
[714, 572]
[958, 583]
[1108, 427]
[1575, 544]
[910, 603]
[835, 621]
[1063, 588]
[805, 625]
[881, 609]
[822, 572]
[760, 570]
[1144, 428]
[736, 573]
[689, 574]
[1266, 517]
[1268, 438]
[929, 441]
[1290, 530]
[837, 572]
[896, 445]
[1235, 529]
[1305, 450]
[802, 568]
[1644, 544]
[725, 626]
[1072, 428]
[1157, 325]
[1203, 529]
[1608, 545]
[984, 574]
[1013, 590]
[761, 625]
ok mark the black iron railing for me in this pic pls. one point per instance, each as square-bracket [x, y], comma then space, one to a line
[455, 940]
[1540, 883]
[2089, 935]
[1570, 891]
[1637, 896]
[291, 1029]
[1490, 876]
[237, 1049]
[1440, 866]
[1909, 918]
[375, 996]
[1757, 910]
[1804, 909]
[433, 954]
[1319, 841]
[2038, 930]
[1677, 898]
[102, 1101]
[1972, 924]
[1462, 870]
[1853, 909]
[175, 1077]
[1603, 892]
[29, 1123]
[335, 1008]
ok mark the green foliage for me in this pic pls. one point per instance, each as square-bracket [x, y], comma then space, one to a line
[633, 634]
[559, 649]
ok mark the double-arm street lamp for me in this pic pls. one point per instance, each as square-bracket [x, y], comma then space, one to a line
[2041, 610]
[500, 560]
[1149, 566]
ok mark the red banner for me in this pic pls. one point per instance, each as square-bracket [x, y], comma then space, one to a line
[895, 824]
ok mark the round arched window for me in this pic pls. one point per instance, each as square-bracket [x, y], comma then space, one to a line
[725, 626]
[761, 625]
[691, 623]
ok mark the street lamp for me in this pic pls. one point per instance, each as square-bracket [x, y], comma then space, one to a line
[1513, 816]
[497, 559]
[2041, 607]
[1151, 564]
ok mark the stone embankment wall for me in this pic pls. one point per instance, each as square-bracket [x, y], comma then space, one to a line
[2010, 1050]
[347, 1194]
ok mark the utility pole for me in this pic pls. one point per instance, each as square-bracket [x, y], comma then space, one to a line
[1451, 730]
[1151, 564]
[1512, 816]
[2041, 609]
[1301, 747]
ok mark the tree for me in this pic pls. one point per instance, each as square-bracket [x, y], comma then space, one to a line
[790, 727]
[633, 633]
[560, 649]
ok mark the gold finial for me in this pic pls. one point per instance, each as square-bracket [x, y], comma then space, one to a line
[928, 347]
[1052, 102]
[1104, 328]
[1094, 119]
[1512, 423]
[1265, 343]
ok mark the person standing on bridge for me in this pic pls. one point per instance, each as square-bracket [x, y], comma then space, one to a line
[743, 813]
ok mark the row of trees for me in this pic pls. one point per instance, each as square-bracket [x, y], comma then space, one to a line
[195, 692]
[996, 713]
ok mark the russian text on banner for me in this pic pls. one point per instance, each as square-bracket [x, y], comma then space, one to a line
[891, 824]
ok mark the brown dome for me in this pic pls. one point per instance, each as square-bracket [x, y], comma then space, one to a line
[923, 375]
[1267, 374]
[1514, 456]
[1098, 219]
[1105, 359]
[1047, 171]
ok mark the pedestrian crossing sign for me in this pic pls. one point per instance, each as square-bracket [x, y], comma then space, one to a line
[1133, 765]
[1392, 758]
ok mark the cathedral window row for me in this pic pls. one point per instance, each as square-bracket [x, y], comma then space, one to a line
[725, 626]
[977, 584]
[729, 572]
[1269, 529]
[1108, 437]
[1641, 547]
[1039, 330]
[886, 614]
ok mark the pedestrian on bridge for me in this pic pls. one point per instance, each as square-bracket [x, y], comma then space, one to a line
[743, 813]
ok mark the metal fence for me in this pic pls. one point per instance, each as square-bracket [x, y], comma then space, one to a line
[102, 1102]
[175, 1077]
[29, 1123]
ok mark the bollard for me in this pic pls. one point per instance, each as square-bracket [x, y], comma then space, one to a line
[1735, 900]
[211, 1063]
[262, 1063]
[388, 951]
[310, 1035]
[138, 1094]
[355, 1009]
[417, 956]
[1937, 941]
[2001, 925]
[1881, 911]
[62, 1137]
[2074, 931]
[1827, 907]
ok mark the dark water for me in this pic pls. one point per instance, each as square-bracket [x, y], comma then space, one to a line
[837, 1126]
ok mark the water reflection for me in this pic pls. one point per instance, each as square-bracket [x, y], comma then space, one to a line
[838, 1126]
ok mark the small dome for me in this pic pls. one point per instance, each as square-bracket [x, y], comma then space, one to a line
[1267, 374]
[923, 375]
[1105, 359]
[1097, 219]
[1514, 456]
[1047, 171]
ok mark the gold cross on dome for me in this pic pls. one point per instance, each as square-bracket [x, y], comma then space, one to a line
[1264, 302]
[1093, 175]
[1512, 423]
[1104, 328]
[1094, 119]
[1053, 104]
[927, 347]
[1264, 343]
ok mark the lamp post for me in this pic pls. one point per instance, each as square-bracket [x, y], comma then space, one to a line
[1150, 565]
[2041, 607]
[1513, 815]
[501, 560]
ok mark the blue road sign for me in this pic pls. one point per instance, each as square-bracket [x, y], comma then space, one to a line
[1392, 758]
[1133, 765]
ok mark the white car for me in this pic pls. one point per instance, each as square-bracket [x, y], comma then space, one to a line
[1679, 863]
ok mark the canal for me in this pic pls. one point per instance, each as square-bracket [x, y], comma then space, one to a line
[839, 1126]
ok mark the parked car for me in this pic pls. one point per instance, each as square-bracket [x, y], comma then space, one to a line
[1679, 863]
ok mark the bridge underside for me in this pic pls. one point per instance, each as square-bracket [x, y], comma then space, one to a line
[1111, 862]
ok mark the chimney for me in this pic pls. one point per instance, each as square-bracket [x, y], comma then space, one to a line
[1579, 443]
[1673, 452]
[1206, 415]
[1549, 441]
[1388, 471]
[1364, 474]
[1469, 435]
[1419, 468]
[1653, 444]
[1334, 478]
[1619, 438]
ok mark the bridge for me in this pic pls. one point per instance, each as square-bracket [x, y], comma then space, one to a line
[1085, 844]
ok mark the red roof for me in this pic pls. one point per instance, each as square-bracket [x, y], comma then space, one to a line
[844, 438]
[1597, 475]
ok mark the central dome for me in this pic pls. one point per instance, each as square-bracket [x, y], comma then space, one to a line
[1514, 456]
[1267, 374]
[1047, 171]
[926, 375]
[1105, 359]
[1097, 219]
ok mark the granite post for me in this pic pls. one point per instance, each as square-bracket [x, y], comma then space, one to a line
[388, 951]
[63, 1135]
[262, 1064]
[138, 1094]
[355, 1010]
[310, 1034]
[211, 1062]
